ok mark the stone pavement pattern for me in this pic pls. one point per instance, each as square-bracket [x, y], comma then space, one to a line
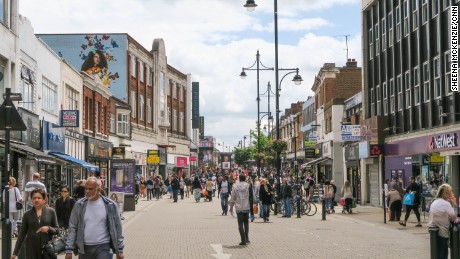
[163, 229]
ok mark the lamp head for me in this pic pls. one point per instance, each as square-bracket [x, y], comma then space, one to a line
[243, 75]
[297, 79]
[250, 5]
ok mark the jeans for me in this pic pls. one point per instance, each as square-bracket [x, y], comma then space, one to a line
[443, 247]
[261, 210]
[265, 210]
[149, 194]
[287, 206]
[101, 251]
[328, 203]
[243, 226]
[14, 216]
[224, 202]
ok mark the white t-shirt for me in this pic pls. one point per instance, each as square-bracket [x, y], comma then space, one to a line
[441, 212]
[96, 229]
[12, 198]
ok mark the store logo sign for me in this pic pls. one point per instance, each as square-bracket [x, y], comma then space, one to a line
[443, 141]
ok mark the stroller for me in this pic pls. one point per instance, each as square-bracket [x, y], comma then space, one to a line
[347, 206]
[197, 194]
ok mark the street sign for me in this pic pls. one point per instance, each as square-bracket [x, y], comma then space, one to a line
[351, 132]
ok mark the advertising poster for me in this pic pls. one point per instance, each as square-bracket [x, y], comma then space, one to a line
[118, 198]
[122, 176]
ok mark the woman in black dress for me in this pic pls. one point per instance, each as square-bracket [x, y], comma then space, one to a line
[64, 206]
[265, 196]
[39, 224]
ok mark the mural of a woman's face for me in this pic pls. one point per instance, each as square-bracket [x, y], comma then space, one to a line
[96, 59]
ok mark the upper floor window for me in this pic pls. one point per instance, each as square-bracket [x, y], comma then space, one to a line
[181, 122]
[123, 124]
[426, 82]
[27, 88]
[406, 18]
[415, 14]
[133, 104]
[385, 98]
[174, 90]
[416, 86]
[98, 114]
[174, 120]
[390, 29]
[392, 96]
[377, 40]
[49, 95]
[371, 45]
[435, 6]
[383, 28]
[424, 11]
[437, 77]
[181, 93]
[72, 98]
[133, 66]
[147, 76]
[112, 123]
[372, 103]
[141, 108]
[399, 89]
[141, 71]
[407, 87]
[149, 110]
[379, 107]
[398, 23]
[448, 71]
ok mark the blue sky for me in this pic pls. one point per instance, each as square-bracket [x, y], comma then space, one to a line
[213, 39]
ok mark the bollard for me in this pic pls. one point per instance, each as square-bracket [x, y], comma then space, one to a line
[454, 249]
[323, 202]
[433, 242]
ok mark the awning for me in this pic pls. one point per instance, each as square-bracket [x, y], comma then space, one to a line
[40, 156]
[74, 160]
[316, 161]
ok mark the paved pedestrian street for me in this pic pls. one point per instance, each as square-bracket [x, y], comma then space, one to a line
[163, 229]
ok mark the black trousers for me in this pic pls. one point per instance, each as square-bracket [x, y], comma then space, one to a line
[409, 208]
[395, 208]
[243, 226]
[157, 193]
[175, 193]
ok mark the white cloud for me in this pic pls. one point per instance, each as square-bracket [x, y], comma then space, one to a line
[210, 40]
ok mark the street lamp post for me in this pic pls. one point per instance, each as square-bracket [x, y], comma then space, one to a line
[294, 120]
[243, 75]
[250, 6]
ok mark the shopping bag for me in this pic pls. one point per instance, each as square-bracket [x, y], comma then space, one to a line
[353, 203]
[409, 199]
[256, 209]
[205, 192]
[342, 201]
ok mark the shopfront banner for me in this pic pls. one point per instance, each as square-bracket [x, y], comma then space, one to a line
[122, 176]
[152, 157]
[70, 118]
[181, 161]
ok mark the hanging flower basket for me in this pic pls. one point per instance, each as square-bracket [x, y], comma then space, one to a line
[259, 156]
[278, 145]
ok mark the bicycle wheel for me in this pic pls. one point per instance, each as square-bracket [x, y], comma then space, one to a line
[312, 210]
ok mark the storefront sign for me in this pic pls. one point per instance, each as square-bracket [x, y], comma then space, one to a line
[98, 148]
[201, 127]
[152, 157]
[31, 137]
[327, 149]
[53, 137]
[351, 132]
[70, 118]
[310, 153]
[192, 158]
[375, 150]
[118, 152]
[448, 140]
[436, 158]
[313, 137]
[195, 105]
[352, 152]
[181, 161]
[122, 176]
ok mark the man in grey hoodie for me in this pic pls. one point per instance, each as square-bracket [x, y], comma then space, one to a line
[240, 199]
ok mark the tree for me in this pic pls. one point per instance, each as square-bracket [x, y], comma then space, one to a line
[241, 155]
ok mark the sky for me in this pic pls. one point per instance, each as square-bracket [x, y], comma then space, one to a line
[213, 39]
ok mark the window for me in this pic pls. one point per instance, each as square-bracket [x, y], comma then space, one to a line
[392, 96]
[149, 110]
[181, 93]
[162, 95]
[407, 87]
[174, 90]
[147, 75]
[398, 24]
[112, 123]
[448, 71]
[435, 7]
[123, 124]
[49, 95]
[141, 109]
[72, 97]
[181, 122]
[416, 86]
[426, 82]
[174, 120]
[390, 29]
[424, 11]
[141, 71]
[371, 47]
[445, 4]
[133, 104]
[399, 88]
[133, 66]
[27, 88]
[385, 98]
[372, 103]
[377, 40]
[437, 77]
[406, 18]
[415, 14]
[96, 112]
[384, 31]
[379, 107]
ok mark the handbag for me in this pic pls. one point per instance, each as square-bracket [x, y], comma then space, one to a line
[19, 205]
[409, 199]
[256, 209]
[342, 201]
[56, 245]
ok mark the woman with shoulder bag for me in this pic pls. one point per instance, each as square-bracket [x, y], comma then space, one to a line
[265, 196]
[15, 205]
[64, 206]
[39, 224]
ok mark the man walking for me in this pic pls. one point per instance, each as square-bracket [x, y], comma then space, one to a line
[286, 195]
[95, 225]
[30, 186]
[240, 198]
[175, 187]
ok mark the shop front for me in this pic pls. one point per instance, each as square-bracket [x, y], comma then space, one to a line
[353, 169]
[99, 153]
[181, 168]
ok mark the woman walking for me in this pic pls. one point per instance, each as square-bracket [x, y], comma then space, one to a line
[39, 224]
[64, 206]
[223, 194]
[14, 197]
[347, 195]
[414, 188]
[196, 187]
[441, 214]
[265, 195]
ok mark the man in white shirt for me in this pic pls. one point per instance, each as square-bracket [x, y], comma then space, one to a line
[30, 186]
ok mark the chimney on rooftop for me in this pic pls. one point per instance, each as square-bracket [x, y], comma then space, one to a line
[352, 63]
